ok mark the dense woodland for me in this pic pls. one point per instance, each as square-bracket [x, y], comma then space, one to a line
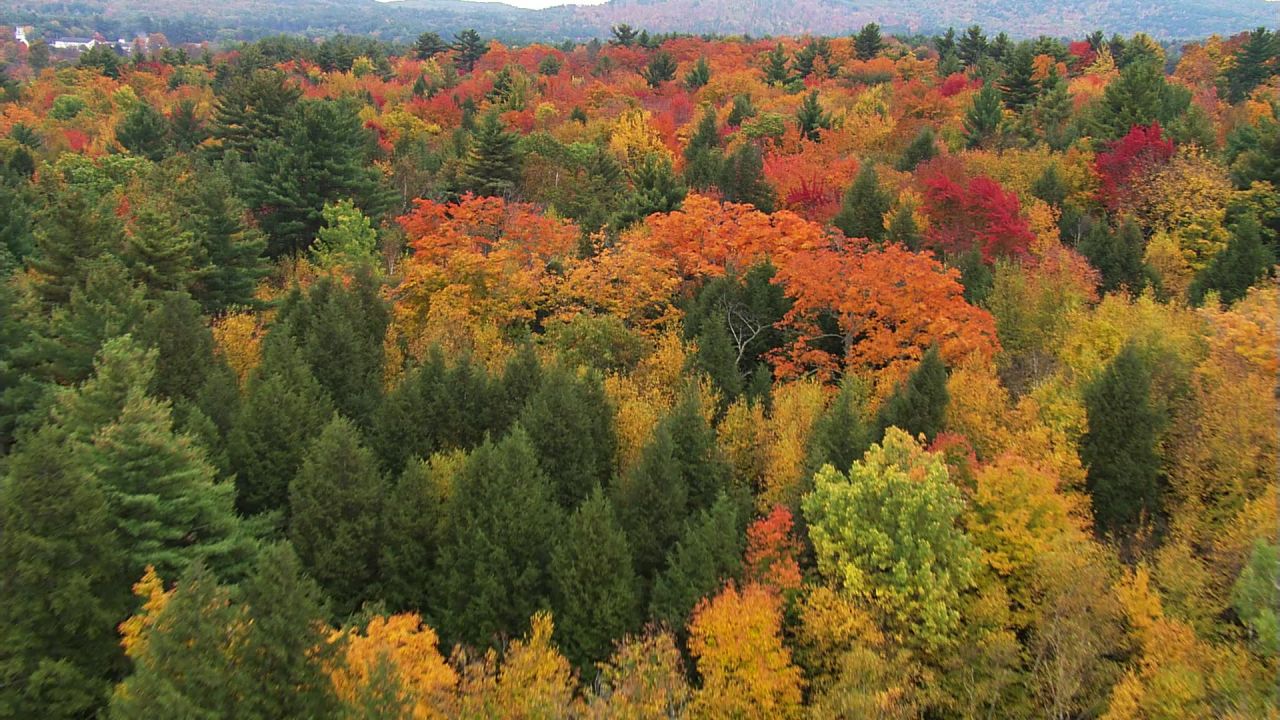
[663, 377]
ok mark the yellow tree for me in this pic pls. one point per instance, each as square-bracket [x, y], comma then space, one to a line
[406, 647]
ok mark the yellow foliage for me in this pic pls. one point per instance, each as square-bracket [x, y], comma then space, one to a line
[796, 407]
[533, 680]
[411, 649]
[740, 439]
[154, 597]
[237, 337]
[634, 137]
[642, 681]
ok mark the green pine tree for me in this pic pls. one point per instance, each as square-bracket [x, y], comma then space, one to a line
[428, 45]
[867, 44]
[1119, 450]
[1237, 267]
[655, 189]
[919, 406]
[1139, 96]
[922, 149]
[145, 132]
[230, 246]
[1018, 82]
[864, 206]
[811, 118]
[252, 110]
[704, 159]
[468, 48]
[1117, 255]
[983, 116]
[492, 164]
[742, 179]
[776, 71]
[652, 501]
[569, 421]
[413, 528]
[1254, 63]
[661, 68]
[335, 504]
[708, 554]
[503, 522]
[73, 228]
[63, 580]
[704, 471]
[845, 430]
[699, 75]
[595, 590]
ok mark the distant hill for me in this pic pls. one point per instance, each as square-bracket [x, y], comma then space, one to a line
[193, 20]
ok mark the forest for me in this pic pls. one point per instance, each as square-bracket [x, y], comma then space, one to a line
[658, 377]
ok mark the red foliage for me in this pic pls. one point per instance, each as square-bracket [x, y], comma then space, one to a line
[1082, 54]
[955, 83]
[1128, 158]
[979, 213]
[772, 551]
[77, 140]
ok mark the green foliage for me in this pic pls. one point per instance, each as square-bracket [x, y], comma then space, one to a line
[492, 164]
[347, 238]
[983, 116]
[569, 422]
[886, 535]
[652, 501]
[594, 587]
[1255, 598]
[776, 71]
[1140, 96]
[413, 523]
[845, 431]
[428, 45]
[811, 118]
[468, 48]
[699, 75]
[144, 131]
[1254, 63]
[708, 554]
[864, 206]
[1238, 267]
[922, 149]
[335, 504]
[734, 321]
[1117, 255]
[919, 406]
[704, 159]
[742, 179]
[661, 68]
[867, 43]
[251, 111]
[1119, 449]
[1018, 84]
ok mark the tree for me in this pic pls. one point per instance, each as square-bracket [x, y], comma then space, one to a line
[63, 577]
[1254, 597]
[595, 590]
[983, 117]
[397, 652]
[570, 424]
[1052, 113]
[347, 239]
[335, 505]
[231, 247]
[811, 118]
[815, 56]
[428, 45]
[919, 406]
[709, 553]
[652, 502]
[1238, 267]
[468, 48]
[661, 68]
[922, 149]
[181, 645]
[285, 643]
[74, 228]
[492, 164]
[38, 56]
[864, 206]
[1139, 96]
[144, 131]
[972, 47]
[1120, 447]
[623, 35]
[978, 215]
[776, 71]
[886, 535]
[867, 44]
[742, 179]
[845, 431]
[746, 670]
[702, 155]
[699, 75]
[503, 521]
[1255, 61]
[1116, 254]
[251, 111]
[321, 156]
[655, 189]
[413, 524]
[159, 254]
[643, 678]
[1018, 82]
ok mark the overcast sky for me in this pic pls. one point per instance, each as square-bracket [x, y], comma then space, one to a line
[536, 4]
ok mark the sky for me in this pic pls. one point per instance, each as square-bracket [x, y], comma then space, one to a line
[538, 4]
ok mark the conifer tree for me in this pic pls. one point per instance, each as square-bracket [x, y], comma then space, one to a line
[904, 230]
[468, 48]
[72, 229]
[1053, 113]
[655, 189]
[145, 132]
[652, 501]
[742, 179]
[661, 68]
[972, 46]
[623, 35]
[503, 522]
[569, 422]
[252, 110]
[742, 110]
[413, 527]
[181, 653]
[286, 643]
[492, 164]
[335, 504]
[1238, 266]
[844, 432]
[1119, 450]
[921, 149]
[864, 206]
[159, 254]
[231, 249]
[1117, 255]
[1139, 96]
[709, 553]
[284, 408]
[595, 590]
[983, 117]
[776, 71]
[1018, 82]
[428, 45]
[699, 75]
[705, 473]
[1254, 63]
[867, 44]
[811, 117]
[702, 155]
[63, 580]
[919, 405]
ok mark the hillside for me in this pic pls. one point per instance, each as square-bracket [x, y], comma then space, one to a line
[186, 20]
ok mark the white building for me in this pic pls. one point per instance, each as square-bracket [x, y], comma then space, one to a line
[74, 43]
[20, 35]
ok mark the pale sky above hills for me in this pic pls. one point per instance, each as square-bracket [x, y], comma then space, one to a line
[536, 4]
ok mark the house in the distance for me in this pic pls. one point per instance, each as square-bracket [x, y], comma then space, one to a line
[21, 33]
[75, 43]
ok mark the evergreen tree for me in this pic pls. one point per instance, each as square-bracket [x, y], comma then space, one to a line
[922, 149]
[428, 45]
[704, 471]
[623, 35]
[73, 228]
[492, 164]
[867, 44]
[1117, 255]
[569, 422]
[811, 117]
[181, 659]
[1256, 61]
[864, 206]
[703, 158]
[661, 68]
[708, 554]
[284, 408]
[322, 156]
[1018, 82]
[1236, 268]
[145, 132]
[503, 521]
[1053, 113]
[652, 501]
[1139, 96]
[734, 321]
[776, 71]
[184, 347]
[741, 111]
[157, 252]
[919, 406]
[468, 48]
[975, 275]
[595, 590]
[844, 432]
[1119, 450]
[335, 504]
[742, 179]
[230, 247]
[63, 581]
[699, 75]
[1051, 187]
[286, 643]
[972, 46]
[904, 230]
[655, 189]
[252, 111]
[983, 116]
[807, 59]
[413, 524]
